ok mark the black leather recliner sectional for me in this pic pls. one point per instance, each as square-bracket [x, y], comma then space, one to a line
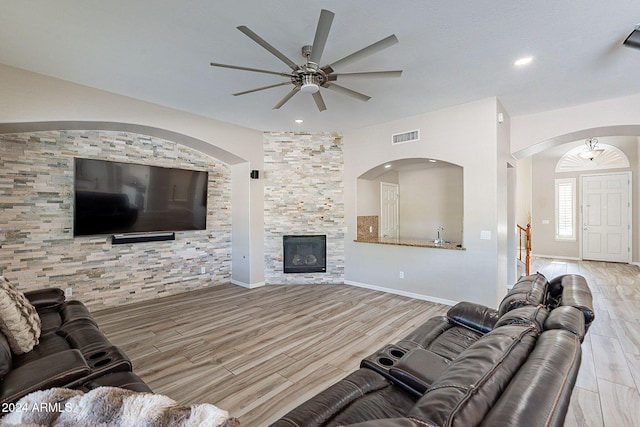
[514, 366]
[72, 352]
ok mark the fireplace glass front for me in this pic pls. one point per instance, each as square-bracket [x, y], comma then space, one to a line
[305, 254]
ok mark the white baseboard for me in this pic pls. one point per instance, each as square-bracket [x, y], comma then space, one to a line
[568, 258]
[248, 285]
[402, 293]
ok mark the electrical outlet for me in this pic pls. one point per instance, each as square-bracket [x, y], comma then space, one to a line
[68, 292]
[203, 270]
[402, 274]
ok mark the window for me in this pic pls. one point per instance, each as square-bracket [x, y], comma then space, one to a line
[566, 209]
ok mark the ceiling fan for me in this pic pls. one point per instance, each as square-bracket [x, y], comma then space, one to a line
[310, 77]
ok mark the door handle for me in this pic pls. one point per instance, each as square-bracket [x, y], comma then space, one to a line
[586, 229]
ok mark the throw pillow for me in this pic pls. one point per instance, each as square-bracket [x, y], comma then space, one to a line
[19, 320]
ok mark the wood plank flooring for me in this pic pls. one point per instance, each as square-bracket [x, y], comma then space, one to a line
[608, 386]
[259, 353]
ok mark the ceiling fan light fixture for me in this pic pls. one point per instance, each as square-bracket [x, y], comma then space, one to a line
[309, 84]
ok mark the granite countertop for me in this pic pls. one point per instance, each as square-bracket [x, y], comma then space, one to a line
[412, 242]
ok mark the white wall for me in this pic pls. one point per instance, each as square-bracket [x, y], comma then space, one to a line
[505, 204]
[430, 198]
[535, 132]
[247, 206]
[523, 191]
[465, 135]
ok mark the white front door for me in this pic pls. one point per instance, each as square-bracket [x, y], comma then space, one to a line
[606, 207]
[389, 210]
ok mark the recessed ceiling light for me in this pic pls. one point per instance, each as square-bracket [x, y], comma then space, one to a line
[299, 121]
[432, 161]
[523, 61]
[387, 166]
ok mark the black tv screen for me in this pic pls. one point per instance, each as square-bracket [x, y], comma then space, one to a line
[113, 197]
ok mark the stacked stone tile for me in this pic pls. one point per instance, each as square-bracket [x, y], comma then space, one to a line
[37, 247]
[303, 175]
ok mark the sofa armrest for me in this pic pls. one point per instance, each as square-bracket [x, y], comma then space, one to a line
[45, 298]
[477, 317]
[418, 369]
[568, 318]
[54, 370]
[328, 403]
[576, 293]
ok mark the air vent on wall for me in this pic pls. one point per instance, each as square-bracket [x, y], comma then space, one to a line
[401, 138]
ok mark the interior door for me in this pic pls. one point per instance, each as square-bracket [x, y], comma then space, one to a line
[606, 227]
[389, 210]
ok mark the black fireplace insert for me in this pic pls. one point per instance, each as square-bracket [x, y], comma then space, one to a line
[305, 254]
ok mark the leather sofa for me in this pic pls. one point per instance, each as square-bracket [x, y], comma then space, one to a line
[72, 352]
[511, 366]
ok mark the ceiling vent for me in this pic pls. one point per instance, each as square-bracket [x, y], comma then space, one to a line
[401, 138]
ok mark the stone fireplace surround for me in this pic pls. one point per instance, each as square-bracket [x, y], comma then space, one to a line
[303, 195]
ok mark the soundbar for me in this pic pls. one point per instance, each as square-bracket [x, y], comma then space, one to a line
[118, 239]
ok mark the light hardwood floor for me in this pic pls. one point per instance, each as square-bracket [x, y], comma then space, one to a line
[259, 353]
[607, 390]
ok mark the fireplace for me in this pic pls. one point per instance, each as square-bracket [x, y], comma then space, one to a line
[305, 254]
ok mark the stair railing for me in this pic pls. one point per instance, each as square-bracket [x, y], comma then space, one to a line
[524, 245]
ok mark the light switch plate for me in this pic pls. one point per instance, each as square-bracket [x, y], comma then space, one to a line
[485, 234]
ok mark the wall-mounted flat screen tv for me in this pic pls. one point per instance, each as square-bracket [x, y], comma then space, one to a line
[113, 197]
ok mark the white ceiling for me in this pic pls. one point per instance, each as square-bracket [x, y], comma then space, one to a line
[451, 52]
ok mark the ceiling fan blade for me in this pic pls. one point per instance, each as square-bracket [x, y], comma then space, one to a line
[256, 38]
[372, 74]
[262, 88]
[348, 92]
[362, 53]
[257, 70]
[287, 97]
[319, 101]
[322, 33]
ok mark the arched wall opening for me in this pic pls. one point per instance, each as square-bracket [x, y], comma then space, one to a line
[538, 174]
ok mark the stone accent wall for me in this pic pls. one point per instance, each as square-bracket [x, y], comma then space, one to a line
[303, 188]
[37, 247]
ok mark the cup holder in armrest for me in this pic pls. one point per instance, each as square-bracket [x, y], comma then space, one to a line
[397, 352]
[97, 355]
[102, 362]
[383, 359]
[107, 360]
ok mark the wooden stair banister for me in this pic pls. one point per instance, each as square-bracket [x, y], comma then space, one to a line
[525, 232]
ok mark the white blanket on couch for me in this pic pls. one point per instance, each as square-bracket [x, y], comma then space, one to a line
[110, 407]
